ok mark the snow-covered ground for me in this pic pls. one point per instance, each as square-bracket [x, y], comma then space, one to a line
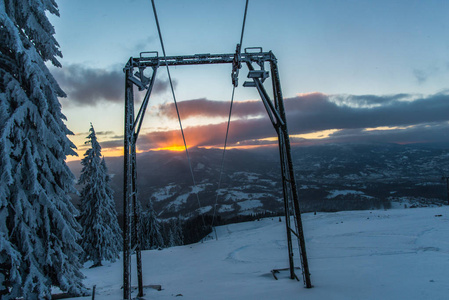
[394, 254]
[335, 193]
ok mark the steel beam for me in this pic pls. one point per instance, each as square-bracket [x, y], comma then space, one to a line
[198, 59]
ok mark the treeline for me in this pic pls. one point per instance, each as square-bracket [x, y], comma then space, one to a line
[158, 234]
[177, 231]
[345, 202]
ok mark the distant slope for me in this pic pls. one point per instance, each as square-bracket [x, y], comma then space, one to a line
[330, 177]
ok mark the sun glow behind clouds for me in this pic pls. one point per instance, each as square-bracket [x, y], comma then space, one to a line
[270, 141]
[318, 135]
[105, 152]
[174, 148]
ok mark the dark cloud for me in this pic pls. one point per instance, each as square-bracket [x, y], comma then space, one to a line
[105, 132]
[210, 108]
[420, 75]
[90, 86]
[254, 132]
[313, 112]
[144, 44]
[209, 135]
[97, 133]
[423, 133]
[161, 86]
[316, 111]
[112, 144]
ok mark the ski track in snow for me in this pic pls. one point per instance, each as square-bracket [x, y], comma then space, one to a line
[394, 254]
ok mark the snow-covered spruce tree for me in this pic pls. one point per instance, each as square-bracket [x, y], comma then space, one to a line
[151, 229]
[171, 238]
[38, 229]
[175, 234]
[101, 234]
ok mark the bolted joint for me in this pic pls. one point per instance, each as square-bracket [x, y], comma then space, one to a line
[236, 65]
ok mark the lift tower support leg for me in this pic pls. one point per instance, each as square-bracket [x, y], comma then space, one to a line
[127, 186]
[279, 103]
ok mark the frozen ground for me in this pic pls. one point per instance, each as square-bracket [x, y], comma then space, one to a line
[394, 254]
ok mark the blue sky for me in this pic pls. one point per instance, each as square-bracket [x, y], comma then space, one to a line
[335, 48]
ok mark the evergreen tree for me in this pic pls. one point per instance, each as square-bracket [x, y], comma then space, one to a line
[175, 234]
[171, 238]
[177, 231]
[38, 229]
[101, 234]
[151, 233]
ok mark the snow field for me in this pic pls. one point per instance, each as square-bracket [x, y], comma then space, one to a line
[394, 254]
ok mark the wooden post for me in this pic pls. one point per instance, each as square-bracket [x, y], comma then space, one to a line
[93, 292]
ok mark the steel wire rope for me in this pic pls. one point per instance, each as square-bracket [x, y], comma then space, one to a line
[222, 163]
[244, 22]
[227, 128]
[177, 110]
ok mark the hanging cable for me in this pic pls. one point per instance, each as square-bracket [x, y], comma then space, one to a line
[222, 162]
[177, 110]
[244, 22]
[227, 128]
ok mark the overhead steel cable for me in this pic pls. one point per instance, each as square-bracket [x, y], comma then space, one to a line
[222, 162]
[244, 22]
[227, 128]
[177, 110]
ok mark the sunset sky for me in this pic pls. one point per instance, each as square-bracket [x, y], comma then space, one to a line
[351, 71]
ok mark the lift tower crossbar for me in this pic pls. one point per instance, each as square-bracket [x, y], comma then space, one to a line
[134, 76]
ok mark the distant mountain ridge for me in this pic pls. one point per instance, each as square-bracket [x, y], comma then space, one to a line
[331, 177]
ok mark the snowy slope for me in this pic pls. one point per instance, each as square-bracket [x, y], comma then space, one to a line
[394, 254]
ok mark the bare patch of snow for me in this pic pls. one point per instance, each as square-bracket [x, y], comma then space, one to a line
[164, 193]
[225, 208]
[335, 193]
[249, 204]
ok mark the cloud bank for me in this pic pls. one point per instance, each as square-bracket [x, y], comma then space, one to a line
[409, 118]
[86, 86]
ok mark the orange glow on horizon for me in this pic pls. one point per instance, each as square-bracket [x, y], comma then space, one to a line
[173, 148]
[172, 142]
[105, 152]
[244, 147]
